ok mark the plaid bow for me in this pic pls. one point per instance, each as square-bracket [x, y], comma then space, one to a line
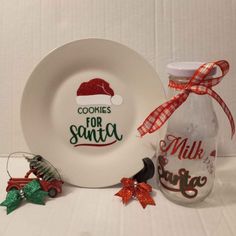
[197, 84]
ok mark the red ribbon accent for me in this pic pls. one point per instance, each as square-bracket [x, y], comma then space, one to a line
[199, 84]
[131, 189]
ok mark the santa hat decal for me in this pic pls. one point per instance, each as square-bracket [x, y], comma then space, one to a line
[97, 91]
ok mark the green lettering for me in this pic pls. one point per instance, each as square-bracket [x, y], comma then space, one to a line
[74, 138]
[111, 130]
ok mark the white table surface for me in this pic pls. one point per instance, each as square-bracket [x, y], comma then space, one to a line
[162, 31]
[89, 212]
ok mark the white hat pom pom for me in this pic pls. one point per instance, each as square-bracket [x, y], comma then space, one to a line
[116, 99]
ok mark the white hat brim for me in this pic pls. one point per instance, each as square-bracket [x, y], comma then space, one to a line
[94, 99]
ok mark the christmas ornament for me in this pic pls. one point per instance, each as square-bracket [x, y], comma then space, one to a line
[42, 168]
[31, 192]
[47, 182]
[133, 190]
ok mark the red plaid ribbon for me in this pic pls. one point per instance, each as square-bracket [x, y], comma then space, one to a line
[197, 84]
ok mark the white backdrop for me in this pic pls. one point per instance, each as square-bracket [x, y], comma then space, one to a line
[160, 30]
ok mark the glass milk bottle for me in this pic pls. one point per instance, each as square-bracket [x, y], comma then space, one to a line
[187, 154]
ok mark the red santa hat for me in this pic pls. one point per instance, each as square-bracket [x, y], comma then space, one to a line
[97, 91]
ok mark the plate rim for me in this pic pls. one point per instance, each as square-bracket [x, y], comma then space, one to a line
[76, 42]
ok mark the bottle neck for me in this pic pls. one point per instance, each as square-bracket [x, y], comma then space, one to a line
[197, 110]
[198, 102]
[177, 84]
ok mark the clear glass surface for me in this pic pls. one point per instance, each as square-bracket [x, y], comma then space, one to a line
[187, 155]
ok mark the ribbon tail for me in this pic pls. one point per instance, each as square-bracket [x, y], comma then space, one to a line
[126, 194]
[214, 95]
[157, 118]
[144, 197]
[12, 201]
[13, 206]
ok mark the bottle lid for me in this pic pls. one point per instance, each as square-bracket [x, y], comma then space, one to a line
[185, 69]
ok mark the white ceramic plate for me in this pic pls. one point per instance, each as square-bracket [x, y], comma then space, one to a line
[81, 108]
